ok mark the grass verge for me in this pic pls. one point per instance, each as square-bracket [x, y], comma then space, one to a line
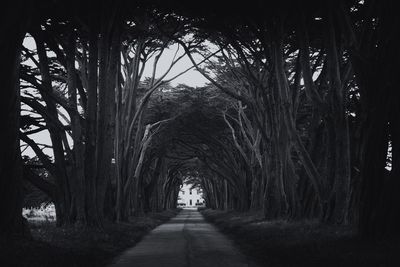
[77, 246]
[306, 243]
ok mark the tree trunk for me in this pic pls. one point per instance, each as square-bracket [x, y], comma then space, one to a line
[64, 198]
[78, 171]
[341, 185]
[12, 29]
[91, 118]
[109, 60]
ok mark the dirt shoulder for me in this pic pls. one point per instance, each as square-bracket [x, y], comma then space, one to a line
[72, 246]
[281, 243]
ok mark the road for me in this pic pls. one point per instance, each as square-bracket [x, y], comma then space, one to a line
[187, 240]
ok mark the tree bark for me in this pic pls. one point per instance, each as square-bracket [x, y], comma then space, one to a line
[91, 122]
[78, 170]
[109, 59]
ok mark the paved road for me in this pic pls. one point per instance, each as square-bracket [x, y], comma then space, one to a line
[185, 241]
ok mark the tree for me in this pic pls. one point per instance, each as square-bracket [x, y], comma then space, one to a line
[13, 25]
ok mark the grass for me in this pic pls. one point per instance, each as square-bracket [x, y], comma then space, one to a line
[306, 243]
[77, 246]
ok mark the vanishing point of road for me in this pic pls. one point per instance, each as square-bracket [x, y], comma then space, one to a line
[187, 240]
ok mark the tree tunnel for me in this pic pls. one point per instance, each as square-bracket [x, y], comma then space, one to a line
[199, 143]
[299, 118]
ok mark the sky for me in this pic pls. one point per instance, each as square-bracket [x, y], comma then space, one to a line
[192, 78]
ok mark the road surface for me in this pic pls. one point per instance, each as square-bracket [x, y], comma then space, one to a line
[187, 240]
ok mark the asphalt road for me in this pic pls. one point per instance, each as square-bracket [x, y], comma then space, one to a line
[187, 240]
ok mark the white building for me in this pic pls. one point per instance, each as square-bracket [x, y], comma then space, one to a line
[190, 197]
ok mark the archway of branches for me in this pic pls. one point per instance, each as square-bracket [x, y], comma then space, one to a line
[295, 120]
